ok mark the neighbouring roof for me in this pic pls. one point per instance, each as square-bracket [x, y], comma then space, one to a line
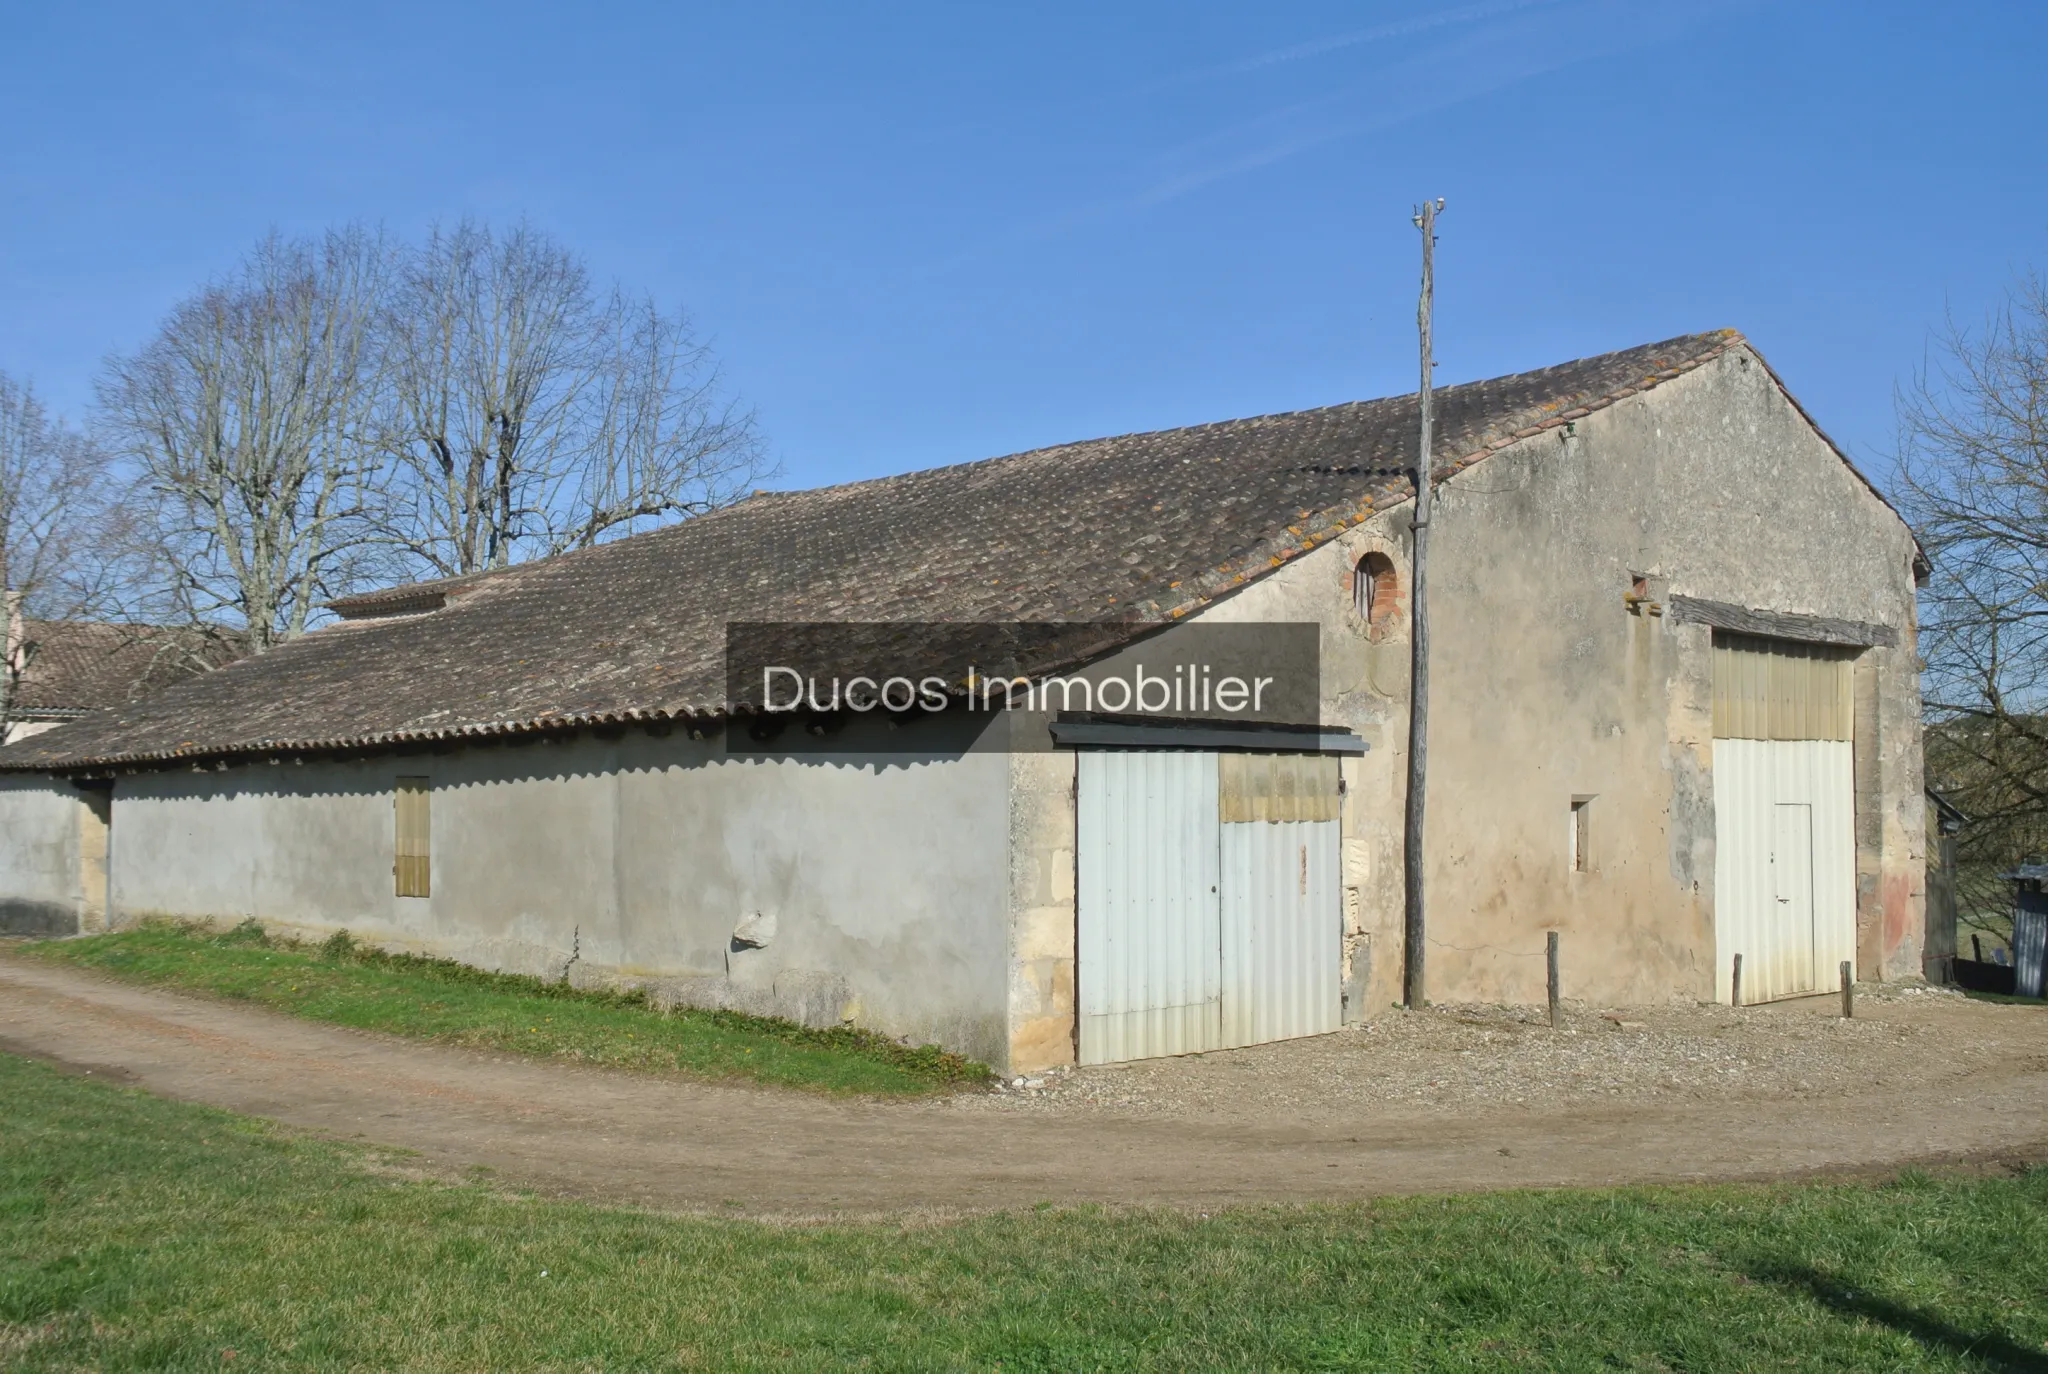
[413, 597]
[1141, 529]
[76, 666]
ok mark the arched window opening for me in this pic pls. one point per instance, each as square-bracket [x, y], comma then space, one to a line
[1376, 593]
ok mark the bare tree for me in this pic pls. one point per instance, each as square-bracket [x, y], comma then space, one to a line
[53, 528]
[1973, 479]
[482, 334]
[527, 416]
[246, 421]
[659, 439]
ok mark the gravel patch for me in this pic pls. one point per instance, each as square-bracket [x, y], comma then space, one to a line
[1488, 1056]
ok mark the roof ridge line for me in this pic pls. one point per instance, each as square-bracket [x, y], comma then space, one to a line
[1260, 418]
[1334, 520]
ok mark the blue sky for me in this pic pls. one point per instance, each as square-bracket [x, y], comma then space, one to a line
[928, 233]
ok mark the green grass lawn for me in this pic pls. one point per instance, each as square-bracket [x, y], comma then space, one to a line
[137, 1233]
[432, 999]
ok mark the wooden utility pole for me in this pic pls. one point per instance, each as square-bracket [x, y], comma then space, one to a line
[1414, 930]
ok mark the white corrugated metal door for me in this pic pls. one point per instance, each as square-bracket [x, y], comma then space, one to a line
[1209, 905]
[1792, 889]
[1282, 913]
[1785, 816]
[1150, 975]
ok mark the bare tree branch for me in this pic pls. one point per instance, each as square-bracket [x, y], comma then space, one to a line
[1973, 479]
[245, 417]
[527, 417]
[336, 412]
[54, 526]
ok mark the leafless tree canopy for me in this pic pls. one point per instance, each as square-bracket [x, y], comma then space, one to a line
[55, 530]
[1973, 478]
[343, 412]
[247, 421]
[527, 414]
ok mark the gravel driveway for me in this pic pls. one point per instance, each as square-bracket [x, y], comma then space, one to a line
[1442, 1101]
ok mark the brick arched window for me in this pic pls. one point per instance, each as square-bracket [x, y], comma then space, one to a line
[1376, 593]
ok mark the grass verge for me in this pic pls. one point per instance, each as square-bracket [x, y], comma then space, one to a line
[2005, 999]
[137, 1233]
[433, 999]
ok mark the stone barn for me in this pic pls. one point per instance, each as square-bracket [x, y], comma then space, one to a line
[1675, 718]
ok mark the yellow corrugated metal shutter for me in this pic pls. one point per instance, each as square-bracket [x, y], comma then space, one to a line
[413, 834]
[1276, 787]
[1769, 689]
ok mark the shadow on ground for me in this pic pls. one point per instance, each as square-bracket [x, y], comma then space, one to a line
[1930, 1332]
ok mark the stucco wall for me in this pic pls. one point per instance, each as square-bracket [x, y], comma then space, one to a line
[40, 890]
[626, 859]
[1547, 687]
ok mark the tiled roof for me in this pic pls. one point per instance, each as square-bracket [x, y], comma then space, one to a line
[413, 597]
[77, 665]
[1141, 528]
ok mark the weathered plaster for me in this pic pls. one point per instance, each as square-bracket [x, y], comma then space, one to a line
[1547, 686]
[630, 860]
[41, 891]
[1041, 913]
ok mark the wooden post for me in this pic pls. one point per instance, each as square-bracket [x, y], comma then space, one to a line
[1848, 991]
[1977, 947]
[1735, 984]
[1551, 952]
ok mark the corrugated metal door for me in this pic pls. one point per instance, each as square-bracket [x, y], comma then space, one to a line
[1784, 817]
[1210, 912]
[1792, 889]
[2029, 948]
[1788, 946]
[1282, 913]
[1148, 941]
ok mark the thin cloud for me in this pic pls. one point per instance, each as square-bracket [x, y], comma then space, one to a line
[1316, 47]
[1422, 85]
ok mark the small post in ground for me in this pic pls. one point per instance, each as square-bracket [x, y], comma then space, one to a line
[1735, 984]
[1848, 991]
[1551, 952]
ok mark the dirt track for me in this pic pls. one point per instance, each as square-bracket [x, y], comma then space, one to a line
[685, 1145]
